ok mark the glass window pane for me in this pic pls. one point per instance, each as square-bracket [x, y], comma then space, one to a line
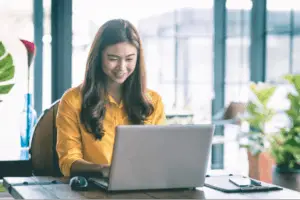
[200, 96]
[278, 52]
[236, 93]
[153, 49]
[238, 41]
[238, 17]
[200, 60]
[296, 42]
[237, 75]
[47, 55]
[278, 15]
[237, 60]
[233, 154]
[167, 67]
[296, 53]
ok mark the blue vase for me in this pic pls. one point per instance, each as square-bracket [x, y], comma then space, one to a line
[28, 121]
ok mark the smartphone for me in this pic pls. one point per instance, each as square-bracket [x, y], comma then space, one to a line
[240, 181]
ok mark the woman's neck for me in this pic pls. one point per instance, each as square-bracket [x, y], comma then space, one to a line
[115, 90]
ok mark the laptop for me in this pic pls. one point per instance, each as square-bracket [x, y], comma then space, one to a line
[151, 157]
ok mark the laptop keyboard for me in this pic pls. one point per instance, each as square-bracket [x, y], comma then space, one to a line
[100, 181]
[106, 179]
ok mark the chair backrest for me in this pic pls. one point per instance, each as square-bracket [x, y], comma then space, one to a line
[234, 109]
[42, 149]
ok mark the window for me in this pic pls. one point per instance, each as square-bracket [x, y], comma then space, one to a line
[237, 76]
[282, 39]
[296, 40]
[282, 47]
[177, 41]
[15, 19]
[278, 52]
[237, 48]
[47, 55]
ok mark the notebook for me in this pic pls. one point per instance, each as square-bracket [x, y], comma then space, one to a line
[223, 183]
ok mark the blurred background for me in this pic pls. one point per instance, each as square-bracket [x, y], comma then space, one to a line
[200, 54]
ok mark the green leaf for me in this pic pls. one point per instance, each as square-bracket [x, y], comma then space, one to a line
[252, 108]
[289, 78]
[293, 79]
[2, 49]
[294, 99]
[263, 92]
[7, 69]
[292, 113]
[4, 89]
[244, 146]
[292, 142]
[297, 82]
[292, 146]
[293, 150]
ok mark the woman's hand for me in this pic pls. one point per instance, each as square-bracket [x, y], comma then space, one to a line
[105, 169]
[84, 168]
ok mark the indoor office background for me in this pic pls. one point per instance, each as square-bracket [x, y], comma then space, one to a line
[200, 54]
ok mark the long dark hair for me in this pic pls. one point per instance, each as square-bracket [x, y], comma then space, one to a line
[94, 87]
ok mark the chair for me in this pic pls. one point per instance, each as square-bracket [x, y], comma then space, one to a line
[229, 115]
[44, 159]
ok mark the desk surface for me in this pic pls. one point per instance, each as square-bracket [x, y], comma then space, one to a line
[42, 188]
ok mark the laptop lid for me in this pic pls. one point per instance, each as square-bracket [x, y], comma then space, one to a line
[160, 156]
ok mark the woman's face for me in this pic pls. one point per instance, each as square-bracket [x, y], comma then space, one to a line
[119, 61]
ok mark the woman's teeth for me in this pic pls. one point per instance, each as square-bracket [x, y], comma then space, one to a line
[119, 74]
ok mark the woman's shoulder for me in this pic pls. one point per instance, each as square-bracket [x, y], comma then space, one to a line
[72, 96]
[153, 96]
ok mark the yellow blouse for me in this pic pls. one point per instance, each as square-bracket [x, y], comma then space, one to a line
[74, 143]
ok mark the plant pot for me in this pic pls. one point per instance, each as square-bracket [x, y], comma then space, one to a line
[260, 166]
[285, 177]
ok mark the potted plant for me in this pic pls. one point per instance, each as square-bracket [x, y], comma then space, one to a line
[26, 118]
[257, 115]
[285, 145]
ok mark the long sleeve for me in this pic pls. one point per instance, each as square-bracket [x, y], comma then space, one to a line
[69, 143]
[158, 116]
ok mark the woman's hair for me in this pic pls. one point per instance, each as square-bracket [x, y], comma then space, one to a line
[94, 87]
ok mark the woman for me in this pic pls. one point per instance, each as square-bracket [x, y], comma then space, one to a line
[113, 93]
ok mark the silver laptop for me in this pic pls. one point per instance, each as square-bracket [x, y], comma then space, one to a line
[149, 157]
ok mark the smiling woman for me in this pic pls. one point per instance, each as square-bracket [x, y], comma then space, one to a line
[113, 93]
[177, 46]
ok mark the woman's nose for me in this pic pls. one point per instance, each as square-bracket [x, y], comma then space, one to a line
[122, 65]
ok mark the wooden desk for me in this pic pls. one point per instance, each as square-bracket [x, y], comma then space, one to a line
[42, 188]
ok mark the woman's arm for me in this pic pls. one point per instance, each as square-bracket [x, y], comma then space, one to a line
[158, 117]
[69, 143]
[85, 168]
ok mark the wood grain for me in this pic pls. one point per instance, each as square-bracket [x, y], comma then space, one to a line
[42, 188]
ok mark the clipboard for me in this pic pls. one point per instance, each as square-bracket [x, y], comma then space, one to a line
[222, 183]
